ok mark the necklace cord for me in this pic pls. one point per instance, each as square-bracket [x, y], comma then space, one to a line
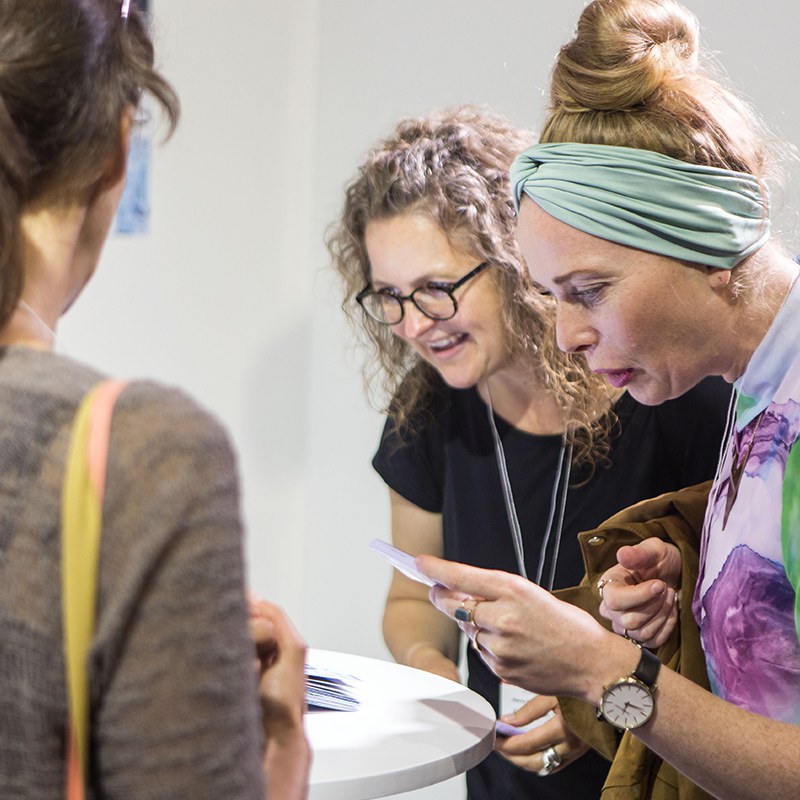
[39, 321]
[511, 511]
[560, 528]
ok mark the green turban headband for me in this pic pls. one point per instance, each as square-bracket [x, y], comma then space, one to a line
[647, 200]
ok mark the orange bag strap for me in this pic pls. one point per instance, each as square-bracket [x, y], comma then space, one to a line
[81, 524]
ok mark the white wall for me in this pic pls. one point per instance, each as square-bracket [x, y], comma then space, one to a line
[231, 295]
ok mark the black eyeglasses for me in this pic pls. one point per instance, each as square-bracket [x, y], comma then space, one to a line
[434, 299]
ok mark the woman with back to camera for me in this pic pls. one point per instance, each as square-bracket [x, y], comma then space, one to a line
[466, 351]
[645, 212]
[175, 710]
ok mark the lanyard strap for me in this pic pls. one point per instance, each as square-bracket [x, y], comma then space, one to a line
[556, 502]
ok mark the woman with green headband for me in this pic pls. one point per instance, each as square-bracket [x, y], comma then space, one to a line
[498, 448]
[644, 212]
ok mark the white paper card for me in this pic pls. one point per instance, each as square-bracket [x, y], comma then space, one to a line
[400, 560]
[512, 698]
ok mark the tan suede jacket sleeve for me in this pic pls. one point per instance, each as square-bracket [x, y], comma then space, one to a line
[676, 517]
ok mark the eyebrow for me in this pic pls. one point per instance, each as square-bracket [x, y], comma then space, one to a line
[378, 284]
[562, 279]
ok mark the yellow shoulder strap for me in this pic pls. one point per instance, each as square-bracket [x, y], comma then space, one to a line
[81, 518]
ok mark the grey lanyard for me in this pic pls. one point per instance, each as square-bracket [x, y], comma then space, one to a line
[557, 503]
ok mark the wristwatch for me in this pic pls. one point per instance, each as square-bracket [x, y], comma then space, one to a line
[629, 702]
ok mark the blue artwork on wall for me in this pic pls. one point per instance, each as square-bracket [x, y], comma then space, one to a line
[133, 215]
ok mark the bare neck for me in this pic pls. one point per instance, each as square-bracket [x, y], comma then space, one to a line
[55, 269]
[518, 395]
[752, 318]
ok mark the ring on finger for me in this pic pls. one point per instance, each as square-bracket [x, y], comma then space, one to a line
[466, 613]
[630, 638]
[600, 586]
[551, 760]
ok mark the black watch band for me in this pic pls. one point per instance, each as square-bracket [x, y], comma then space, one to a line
[648, 667]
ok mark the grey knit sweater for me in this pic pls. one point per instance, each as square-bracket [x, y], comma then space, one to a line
[174, 705]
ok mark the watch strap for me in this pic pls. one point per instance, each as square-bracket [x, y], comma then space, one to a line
[648, 667]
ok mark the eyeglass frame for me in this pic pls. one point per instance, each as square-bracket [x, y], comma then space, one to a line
[448, 287]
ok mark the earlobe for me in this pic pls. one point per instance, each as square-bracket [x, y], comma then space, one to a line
[718, 278]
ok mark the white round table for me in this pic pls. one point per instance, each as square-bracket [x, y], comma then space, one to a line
[411, 729]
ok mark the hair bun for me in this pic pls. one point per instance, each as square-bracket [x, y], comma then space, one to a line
[624, 53]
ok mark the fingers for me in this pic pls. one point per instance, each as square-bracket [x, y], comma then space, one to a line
[652, 558]
[546, 748]
[530, 743]
[281, 685]
[634, 610]
[645, 555]
[549, 732]
[460, 586]
[536, 708]
[274, 634]
[619, 596]
[655, 630]
[462, 578]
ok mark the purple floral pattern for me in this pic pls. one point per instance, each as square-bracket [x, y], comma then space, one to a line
[748, 631]
[773, 436]
[744, 601]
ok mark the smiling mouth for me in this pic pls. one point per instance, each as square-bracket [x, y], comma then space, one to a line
[442, 345]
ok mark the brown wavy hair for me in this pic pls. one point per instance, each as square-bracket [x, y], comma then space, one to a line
[453, 167]
[68, 71]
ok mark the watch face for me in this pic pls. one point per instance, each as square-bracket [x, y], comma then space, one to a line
[627, 703]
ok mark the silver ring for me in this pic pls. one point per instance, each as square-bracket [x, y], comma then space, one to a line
[550, 760]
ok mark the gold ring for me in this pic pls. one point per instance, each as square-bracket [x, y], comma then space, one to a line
[600, 584]
[462, 613]
[466, 614]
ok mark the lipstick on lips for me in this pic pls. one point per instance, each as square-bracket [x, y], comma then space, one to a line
[616, 377]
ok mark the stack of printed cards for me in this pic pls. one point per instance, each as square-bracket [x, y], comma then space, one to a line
[329, 690]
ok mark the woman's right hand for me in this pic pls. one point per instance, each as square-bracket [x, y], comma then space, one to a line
[280, 659]
[640, 594]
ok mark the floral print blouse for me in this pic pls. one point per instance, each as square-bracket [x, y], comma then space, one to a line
[746, 596]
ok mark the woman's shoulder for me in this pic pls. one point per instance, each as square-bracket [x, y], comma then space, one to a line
[167, 416]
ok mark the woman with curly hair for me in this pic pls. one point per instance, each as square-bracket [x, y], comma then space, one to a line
[498, 448]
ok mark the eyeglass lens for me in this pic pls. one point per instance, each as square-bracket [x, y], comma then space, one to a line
[388, 308]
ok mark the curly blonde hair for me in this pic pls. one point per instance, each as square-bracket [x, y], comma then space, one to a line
[453, 167]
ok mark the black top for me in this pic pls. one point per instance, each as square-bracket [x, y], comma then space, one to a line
[450, 468]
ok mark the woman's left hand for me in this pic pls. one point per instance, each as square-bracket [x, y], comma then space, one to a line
[639, 596]
[527, 749]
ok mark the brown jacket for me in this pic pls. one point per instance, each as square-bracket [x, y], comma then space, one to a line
[637, 773]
